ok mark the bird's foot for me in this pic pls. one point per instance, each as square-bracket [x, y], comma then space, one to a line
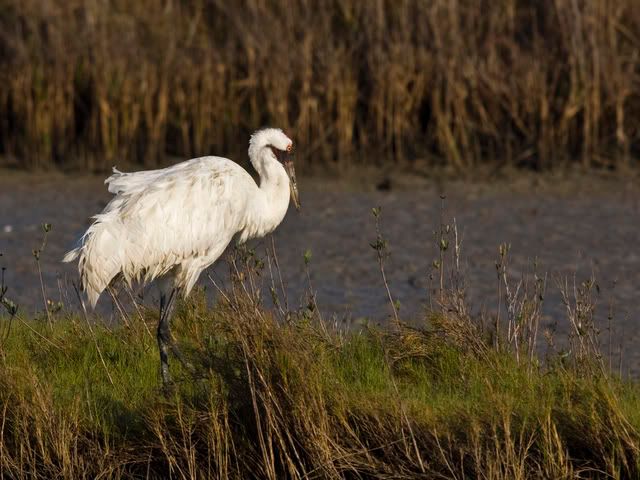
[188, 366]
[168, 390]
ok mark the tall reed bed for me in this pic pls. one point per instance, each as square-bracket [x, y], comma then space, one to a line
[457, 83]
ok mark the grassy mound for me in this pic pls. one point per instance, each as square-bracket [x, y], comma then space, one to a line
[276, 399]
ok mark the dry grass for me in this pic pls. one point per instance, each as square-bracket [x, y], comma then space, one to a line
[278, 400]
[460, 83]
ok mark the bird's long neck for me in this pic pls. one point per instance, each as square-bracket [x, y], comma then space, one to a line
[269, 205]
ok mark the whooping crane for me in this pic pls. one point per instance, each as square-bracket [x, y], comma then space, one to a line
[174, 222]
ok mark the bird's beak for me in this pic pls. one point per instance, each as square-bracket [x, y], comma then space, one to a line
[293, 186]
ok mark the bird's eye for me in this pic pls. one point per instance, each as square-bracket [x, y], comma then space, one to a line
[289, 148]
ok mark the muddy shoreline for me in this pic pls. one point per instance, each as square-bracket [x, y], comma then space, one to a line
[576, 226]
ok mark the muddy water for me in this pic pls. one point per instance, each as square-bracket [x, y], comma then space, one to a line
[567, 227]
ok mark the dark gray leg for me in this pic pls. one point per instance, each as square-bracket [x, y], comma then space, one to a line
[164, 334]
[165, 339]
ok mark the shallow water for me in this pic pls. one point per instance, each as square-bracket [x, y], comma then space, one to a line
[568, 227]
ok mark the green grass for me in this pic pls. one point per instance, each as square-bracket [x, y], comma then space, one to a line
[275, 400]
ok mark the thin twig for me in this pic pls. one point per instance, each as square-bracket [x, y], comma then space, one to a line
[380, 246]
[50, 342]
[277, 264]
[272, 288]
[46, 227]
[119, 307]
[138, 311]
[95, 340]
[307, 261]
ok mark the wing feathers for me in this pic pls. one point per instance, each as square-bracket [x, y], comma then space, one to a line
[182, 216]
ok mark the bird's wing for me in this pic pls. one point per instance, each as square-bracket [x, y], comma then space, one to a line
[130, 183]
[179, 215]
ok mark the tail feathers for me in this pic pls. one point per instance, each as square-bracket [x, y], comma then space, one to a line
[71, 255]
[132, 182]
[98, 262]
[116, 182]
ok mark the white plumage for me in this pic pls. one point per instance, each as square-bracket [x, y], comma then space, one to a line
[177, 221]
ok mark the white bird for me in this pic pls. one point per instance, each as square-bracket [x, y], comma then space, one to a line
[175, 222]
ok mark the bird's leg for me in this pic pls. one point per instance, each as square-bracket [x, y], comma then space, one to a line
[173, 345]
[165, 339]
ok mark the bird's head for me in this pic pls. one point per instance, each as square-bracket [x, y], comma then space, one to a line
[273, 144]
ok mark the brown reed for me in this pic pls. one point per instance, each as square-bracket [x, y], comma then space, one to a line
[535, 83]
